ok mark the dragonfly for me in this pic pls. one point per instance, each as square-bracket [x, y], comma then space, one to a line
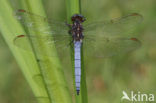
[100, 39]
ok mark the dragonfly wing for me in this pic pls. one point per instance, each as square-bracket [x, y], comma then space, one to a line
[116, 27]
[102, 47]
[51, 32]
[35, 22]
[35, 43]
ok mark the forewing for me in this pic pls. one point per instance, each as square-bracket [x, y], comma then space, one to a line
[35, 22]
[119, 27]
[102, 47]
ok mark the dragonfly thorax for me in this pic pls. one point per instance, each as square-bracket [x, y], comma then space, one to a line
[77, 28]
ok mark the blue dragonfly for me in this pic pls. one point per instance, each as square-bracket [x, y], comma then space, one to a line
[99, 39]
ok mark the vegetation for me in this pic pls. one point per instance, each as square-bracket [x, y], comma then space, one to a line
[106, 78]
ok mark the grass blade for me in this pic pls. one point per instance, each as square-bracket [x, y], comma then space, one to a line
[73, 7]
[46, 77]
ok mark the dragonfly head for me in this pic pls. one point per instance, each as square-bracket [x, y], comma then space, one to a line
[78, 17]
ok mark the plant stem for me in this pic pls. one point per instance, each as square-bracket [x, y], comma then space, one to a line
[73, 7]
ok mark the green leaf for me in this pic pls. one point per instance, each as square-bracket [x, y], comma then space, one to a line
[44, 74]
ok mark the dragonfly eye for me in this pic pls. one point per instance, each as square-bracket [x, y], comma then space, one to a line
[78, 17]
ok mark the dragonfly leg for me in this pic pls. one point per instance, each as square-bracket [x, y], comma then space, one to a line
[69, 25]
[70, 32]
[70, 43]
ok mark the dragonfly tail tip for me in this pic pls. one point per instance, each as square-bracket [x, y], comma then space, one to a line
[78, 92]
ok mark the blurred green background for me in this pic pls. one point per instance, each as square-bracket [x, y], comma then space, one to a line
[106, 78]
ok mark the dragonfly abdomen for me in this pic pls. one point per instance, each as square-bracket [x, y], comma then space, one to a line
[77, 57]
